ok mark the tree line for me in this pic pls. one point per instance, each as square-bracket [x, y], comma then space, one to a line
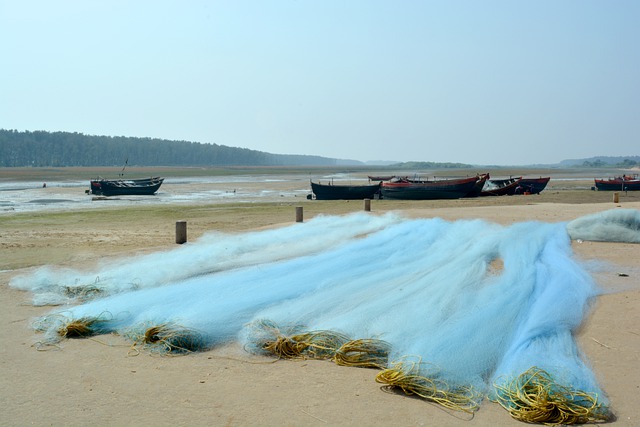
[56, 149]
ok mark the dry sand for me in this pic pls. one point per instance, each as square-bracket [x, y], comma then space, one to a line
[100, 382]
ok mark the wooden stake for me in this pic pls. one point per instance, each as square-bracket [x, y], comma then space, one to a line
[181, 232]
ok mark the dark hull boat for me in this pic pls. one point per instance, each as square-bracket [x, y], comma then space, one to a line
[126, 187]
[344, 192]
[430, 190]
[533, 185]
[621, 183]
[501, 187]
[381, 178]
[480, 183]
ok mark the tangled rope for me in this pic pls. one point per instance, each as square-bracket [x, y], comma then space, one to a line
[534, 397]
[411, 378]
[363, 353]
[267, 337]
[167, 338]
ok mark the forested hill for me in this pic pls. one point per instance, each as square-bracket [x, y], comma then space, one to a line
[52, 149]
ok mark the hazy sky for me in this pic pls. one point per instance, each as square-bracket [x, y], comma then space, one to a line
[482, 82]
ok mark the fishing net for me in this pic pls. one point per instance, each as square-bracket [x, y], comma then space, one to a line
[451, 312]
[165, 338]
[212, 253]
[622, 225]
[534, 397]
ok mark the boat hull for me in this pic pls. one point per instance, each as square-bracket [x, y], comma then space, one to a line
[429, 190]
[344, 192]
[534, 185]
[617, 184]
[118, 187]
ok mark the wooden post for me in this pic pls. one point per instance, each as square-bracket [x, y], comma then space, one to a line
[181, 232]
[616, 197]
[298, 213]
[367, 205]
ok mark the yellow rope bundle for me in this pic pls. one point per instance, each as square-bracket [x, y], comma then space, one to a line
[363, 353]
[168, 338]
[80, 328]
[312, 345]
[534, 397]
[285, 348]
[409, 377]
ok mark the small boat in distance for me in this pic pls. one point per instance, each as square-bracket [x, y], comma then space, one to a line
[404, 189]
[620, 183]
[125, 187]
[344, 192]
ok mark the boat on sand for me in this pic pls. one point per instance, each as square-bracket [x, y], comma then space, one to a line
[125, 187]
[404, 189]
[344, 192]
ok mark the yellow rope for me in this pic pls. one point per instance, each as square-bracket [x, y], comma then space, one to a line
[408, 376]
[311, 345]
[167, 338]
[83, 327]
[363, 353]
[534, 397]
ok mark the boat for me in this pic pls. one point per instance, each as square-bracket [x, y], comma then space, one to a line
[429, 190]
[480, 183]
[344, 192]
[620, 183]
[381, 178]
[501, 187]
[125, 187]
[533, 185]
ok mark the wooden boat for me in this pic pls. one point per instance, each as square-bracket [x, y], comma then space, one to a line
[533, 185]
[620, 183]
[429, 190]
[125, 187]
[344, 192]
[482, 179]
[381, 178]
[501, 187]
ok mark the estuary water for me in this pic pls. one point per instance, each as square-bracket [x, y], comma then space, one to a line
[30, 196]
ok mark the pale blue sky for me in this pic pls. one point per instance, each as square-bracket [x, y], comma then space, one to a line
[482, 82]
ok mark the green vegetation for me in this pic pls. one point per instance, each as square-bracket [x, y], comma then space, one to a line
[599, 163]
[57, 149]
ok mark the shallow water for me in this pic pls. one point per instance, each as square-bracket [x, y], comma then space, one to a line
[29, 196]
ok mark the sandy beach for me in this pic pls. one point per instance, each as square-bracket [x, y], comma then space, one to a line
[100, 381]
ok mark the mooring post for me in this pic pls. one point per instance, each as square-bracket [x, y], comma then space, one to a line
[298, 213]
[616, 197]
[367, 205]
[181, 232]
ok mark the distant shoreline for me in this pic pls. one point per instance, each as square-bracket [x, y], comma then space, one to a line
[87, 173]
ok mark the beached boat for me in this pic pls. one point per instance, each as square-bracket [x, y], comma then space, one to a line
[344, 192]
[620, 183]
[429, 190]
[381, 178]
[533, 185]
[125, 187]
[480, 183]
[501, 187]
